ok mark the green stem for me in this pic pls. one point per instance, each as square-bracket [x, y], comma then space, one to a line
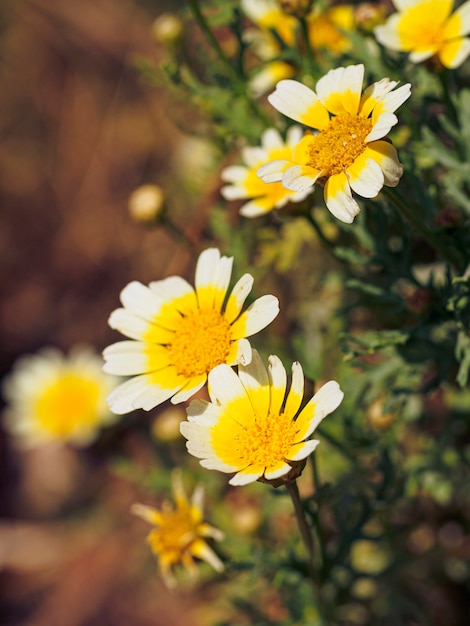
[307, 539]
[305, 533]
[408, 211]
[307, 44]
[179, 235]
[321, 235]
[316, 515]
[238, 79]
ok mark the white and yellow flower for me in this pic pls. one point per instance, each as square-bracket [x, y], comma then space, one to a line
[427, 28]
[180, 532]
[349, 150]
[179, 333]
[53, 397]
[251, 427]
[245, 183]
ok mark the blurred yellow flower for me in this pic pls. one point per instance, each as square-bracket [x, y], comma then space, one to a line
[350, 150]
[327, 30]
[180, 532]
[245, 183]
[251, 427]
[180, 333]
[427, 28]
[53, 397]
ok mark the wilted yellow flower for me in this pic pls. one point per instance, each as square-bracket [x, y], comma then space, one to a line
[180, 532]
[251, 427]
[54, 397]
[350, 150]
[427, 28]
[180, 333]
[245, 183]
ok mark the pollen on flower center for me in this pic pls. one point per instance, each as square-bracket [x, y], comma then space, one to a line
[337, 146]
[267, 440]
[201, 342]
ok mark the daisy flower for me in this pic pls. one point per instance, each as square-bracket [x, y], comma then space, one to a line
[179, 333]
[56, 397]
[180, 532]
[245, 183]
[427, 28]
[251, 427]
[348, 150]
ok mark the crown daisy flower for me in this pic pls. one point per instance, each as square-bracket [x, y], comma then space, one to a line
[251, 427]
[54, 397]
[245, 183]
[427, 28]
[179, 333]
[349, 150]
[180, 532]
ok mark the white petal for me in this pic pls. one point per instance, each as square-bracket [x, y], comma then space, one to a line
[296, 392]
[188, 390]
[244, 478]
[382, 126]
[272, 171]
[256, 317]
[140, 300]
[369, 181]
[394, 99]
[233, 192]
[340, 201]
[297, 179]
[294, 135]
[278, 382]
[234, 174]
[216, 464]
[418, 57]
[121, 399]
[292, 99]
[304, 450]
[203, 412]
[244, 353]
[125, 358]
[128, 324]
[238, 295]
[172, 288]
[281, 471]
[253, 156]
[225, 386]
[271, 139]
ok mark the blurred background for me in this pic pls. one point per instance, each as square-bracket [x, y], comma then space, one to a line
[80, 130]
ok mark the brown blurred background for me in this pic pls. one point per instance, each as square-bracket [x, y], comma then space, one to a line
[79, 130]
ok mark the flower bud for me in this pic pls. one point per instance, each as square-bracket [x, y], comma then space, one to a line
[147, 204]
[167, 29]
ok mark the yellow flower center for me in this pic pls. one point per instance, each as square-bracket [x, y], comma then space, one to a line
[267, 440]
[201, 342]
[176, 531]
[421, 27]
[336, 147]
[69, 402]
